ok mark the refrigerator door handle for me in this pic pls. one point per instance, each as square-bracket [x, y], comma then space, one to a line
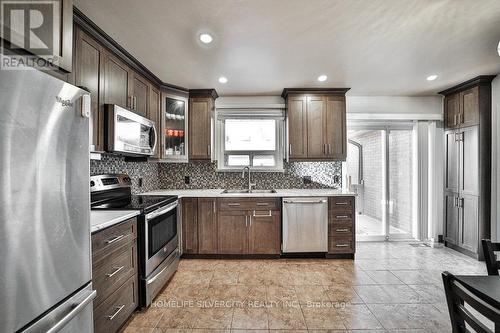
[72, 314]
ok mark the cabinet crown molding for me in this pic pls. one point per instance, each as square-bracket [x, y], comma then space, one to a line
[193, 93]
[330, 91]
[478, 80]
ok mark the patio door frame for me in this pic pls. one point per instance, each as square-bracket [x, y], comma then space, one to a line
[386, 128]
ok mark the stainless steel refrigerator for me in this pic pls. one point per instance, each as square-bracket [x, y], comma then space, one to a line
[45, 267]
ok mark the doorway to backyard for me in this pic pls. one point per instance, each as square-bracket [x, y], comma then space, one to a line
[380, 169]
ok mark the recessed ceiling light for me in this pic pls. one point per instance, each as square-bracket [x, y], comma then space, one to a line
[432, 77]
[322, 78]
[223, 79]
[206, 38]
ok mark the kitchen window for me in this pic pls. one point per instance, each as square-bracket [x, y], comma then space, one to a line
[253, 138]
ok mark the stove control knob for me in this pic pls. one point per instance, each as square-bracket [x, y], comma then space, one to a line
[92, 183]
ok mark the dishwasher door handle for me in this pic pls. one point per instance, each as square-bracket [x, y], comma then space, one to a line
[305, 202]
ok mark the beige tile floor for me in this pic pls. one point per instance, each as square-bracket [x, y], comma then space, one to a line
[390, 287]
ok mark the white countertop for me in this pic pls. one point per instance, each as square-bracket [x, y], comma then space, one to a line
[217, 193]
[100, 219]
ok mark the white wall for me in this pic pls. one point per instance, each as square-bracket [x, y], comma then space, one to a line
[495, 159]
[415, 108]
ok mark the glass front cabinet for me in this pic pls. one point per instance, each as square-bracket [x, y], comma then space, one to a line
[174, 136]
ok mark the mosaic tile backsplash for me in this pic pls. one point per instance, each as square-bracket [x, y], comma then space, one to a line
[204, 175]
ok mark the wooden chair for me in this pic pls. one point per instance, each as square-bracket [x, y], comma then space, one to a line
[492, 264]
[456, 295]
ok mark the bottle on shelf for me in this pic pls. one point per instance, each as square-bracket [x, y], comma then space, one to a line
[169, 138]
[181, 143]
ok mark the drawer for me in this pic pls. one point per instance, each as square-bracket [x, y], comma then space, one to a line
[337, 216]
[110, 239]
[111, 314]
[111, 272]
[248, 204]
[340, 244]
[340, 230]
[341, 203]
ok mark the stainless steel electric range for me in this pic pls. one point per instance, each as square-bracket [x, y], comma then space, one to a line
[158, 240]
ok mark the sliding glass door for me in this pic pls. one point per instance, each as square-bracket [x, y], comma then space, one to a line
[379, 168]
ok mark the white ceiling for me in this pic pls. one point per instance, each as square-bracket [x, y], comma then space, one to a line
[376, 47]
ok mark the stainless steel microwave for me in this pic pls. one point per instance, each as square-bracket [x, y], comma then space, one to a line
[128, 133]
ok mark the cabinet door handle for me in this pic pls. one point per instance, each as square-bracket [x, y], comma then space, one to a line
[342, 245]
[114, 239]
[214, 206]
[118, 310]
[266, 215]
[290, 149]
[342, 230]
[209, 151]
[246, 221]
[115, 271]
[342, 217]
[461, 203]
[329, 149]
[233, 204]
[341, 203]
[455, 119]
[262, 204]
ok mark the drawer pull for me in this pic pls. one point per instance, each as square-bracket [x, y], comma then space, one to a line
[118, 310]
[114, 239]
[115, 271]
[266, 215]
[262, 204]
[342, 217]
[341, 203]
[233, 204]
[343, 230]
[342, 245]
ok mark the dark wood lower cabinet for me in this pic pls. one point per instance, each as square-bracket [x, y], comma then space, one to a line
[341, 226]
[264, 232]
[233, 234]
[114, 275]
[189, 225]
[110, 316]
[252, 226]
[207, 225]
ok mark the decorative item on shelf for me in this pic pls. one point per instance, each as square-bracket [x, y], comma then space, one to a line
[169, 141]
[181, 143]
[176, 143]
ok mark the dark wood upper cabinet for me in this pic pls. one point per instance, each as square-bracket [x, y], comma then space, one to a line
[139, 94]
[297, 126]
[116, 82]
[89, 73]
[189, 225]
[207, 225]
[316, 124]
[336, 131]
[154, 115]
[452, 110]
[469, 107]
[201, 107]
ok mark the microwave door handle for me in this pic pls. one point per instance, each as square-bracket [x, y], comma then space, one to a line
[155, 139]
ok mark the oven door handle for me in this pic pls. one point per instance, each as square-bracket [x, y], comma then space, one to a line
[162, 210]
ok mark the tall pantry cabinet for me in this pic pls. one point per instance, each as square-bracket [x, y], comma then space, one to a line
[467, 122]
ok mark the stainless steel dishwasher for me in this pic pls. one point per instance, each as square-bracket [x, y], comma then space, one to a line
[305, 224]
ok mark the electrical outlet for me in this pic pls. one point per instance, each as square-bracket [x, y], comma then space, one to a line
[307, 179]
[139, 182]
[187, 180]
